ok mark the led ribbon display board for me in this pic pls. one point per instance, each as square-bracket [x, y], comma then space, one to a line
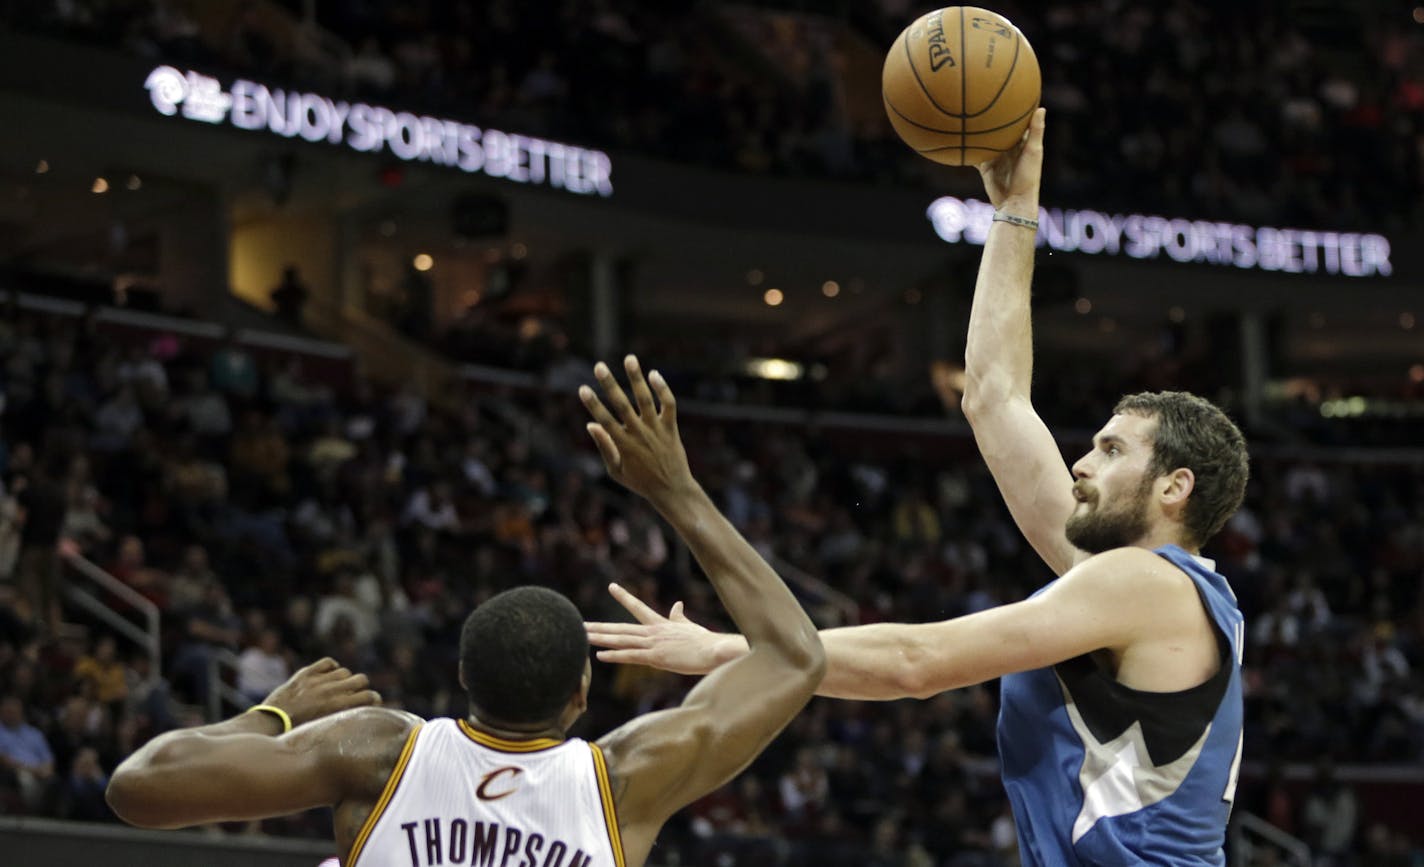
[1139, 236]
[373, 129]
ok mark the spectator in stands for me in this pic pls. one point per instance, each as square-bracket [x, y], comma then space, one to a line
[82, 798]
[205, 410]
[259, 459]
[26, 763]
[804, 790]
[262, 667]
[83, 523]
[341, 614]
[101, 672]
[118, 419]
[189, 584]
[233, 370]
[211, 627]
[12, 522]
[130, 566]
[1330, 817]
[289, 297]
[433, 508]
[42, 500]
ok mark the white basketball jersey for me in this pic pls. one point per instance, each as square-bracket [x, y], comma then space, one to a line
[459, 796]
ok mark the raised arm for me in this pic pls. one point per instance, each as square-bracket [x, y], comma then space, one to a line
[998, 361]
[664, 761]
[248, 768]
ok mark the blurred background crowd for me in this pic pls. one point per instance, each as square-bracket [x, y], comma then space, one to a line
[278, 516]
[1298, 113]
[276, 506]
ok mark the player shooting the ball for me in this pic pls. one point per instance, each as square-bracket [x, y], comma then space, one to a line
[1120, 724]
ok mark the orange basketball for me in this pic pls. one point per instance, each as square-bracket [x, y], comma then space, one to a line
[960, 85]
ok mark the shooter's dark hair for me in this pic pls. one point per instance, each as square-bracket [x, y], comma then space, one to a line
[1193, 432]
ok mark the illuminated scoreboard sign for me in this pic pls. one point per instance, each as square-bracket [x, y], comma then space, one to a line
[1138, 236]
[374, 129]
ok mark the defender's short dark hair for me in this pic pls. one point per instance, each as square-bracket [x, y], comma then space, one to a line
[523, 653]
[1193, 432]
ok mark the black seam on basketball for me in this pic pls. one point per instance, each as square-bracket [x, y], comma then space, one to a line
[972, 147]
[890, 105]
[963, 132]
[1018, 38]
[963, 80]
[910, 59]
[1028, 111]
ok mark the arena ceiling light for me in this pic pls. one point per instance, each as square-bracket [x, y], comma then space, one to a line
[779, 369]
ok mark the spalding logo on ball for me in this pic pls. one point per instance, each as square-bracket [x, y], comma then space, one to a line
[960, 85]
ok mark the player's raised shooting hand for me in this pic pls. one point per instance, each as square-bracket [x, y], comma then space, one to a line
[671, 643]
[639, 443]
[320, 689]
[1012, 180]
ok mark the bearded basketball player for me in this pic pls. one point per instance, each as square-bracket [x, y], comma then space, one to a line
[1121, 710]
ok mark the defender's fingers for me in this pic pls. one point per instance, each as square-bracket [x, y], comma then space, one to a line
[639, 385]
[365, 698]
[321, 666]
[636, 607]
[354, 683]
[666, 401]
[614, 629]
[617, 400]
[626, 657]
[607, 449]
[596, 408]
[620, 642]
[676, 612]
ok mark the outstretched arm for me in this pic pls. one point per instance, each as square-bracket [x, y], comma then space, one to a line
[1107, 602]
[246, 767]
[998, 361]
[663, 761]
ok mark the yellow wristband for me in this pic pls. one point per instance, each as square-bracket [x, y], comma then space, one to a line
[274, 711]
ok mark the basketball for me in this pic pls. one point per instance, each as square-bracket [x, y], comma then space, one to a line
[960, 85]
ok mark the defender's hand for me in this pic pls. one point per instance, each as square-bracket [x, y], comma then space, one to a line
[672, 643]
[320, 689]
[640, 447]
[1012, 180]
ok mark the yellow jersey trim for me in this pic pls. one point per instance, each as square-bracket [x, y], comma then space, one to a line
[392, 783]
[505, 746]
[610, 812]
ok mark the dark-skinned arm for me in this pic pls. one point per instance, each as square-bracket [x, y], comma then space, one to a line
[246, 768]
[663, 761]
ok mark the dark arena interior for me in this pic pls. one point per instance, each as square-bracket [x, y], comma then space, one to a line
[296, 297]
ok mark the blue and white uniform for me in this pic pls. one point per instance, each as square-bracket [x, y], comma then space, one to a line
[1099, 773]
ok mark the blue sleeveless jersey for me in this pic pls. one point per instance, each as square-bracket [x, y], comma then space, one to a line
[1099, 773]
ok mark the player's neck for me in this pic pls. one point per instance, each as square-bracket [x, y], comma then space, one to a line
[510, 732]
[1159, 536]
